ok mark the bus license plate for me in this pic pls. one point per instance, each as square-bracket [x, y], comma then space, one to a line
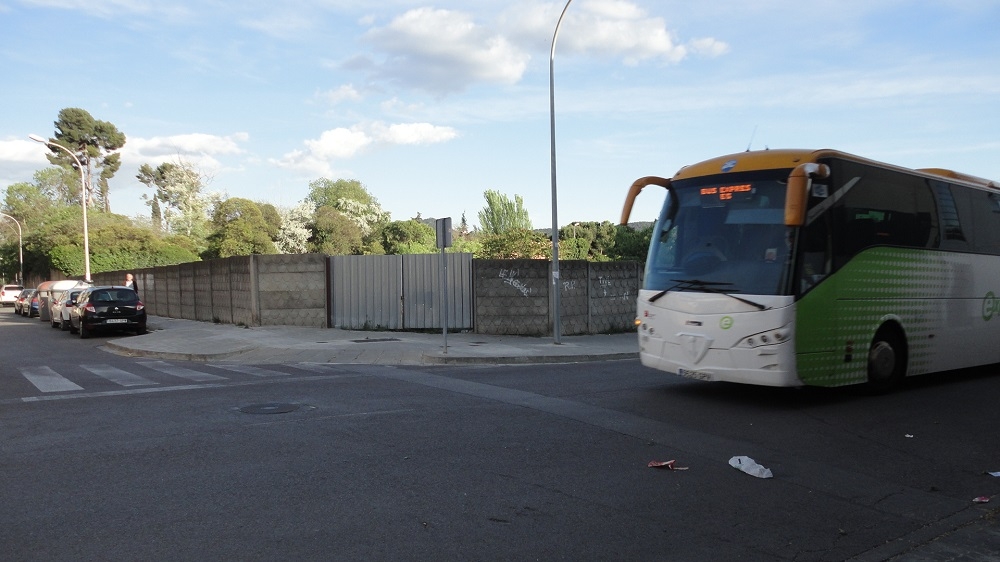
[700, 375]
[116, 320]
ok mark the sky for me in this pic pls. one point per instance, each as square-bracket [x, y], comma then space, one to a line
[429, 104]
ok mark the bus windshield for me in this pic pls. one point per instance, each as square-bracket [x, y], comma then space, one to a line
[723, 233]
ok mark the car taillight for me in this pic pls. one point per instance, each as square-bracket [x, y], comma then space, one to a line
[139, 305]
[89, 307]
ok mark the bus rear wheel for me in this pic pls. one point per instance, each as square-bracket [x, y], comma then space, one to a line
[886, 360]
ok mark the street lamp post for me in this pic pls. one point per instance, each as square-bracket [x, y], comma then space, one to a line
[20, 245]
[555, 218]
[83, 202]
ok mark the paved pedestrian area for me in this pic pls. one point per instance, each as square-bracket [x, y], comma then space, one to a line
[188, 340]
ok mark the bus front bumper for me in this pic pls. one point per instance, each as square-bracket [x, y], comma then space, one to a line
[772, 365]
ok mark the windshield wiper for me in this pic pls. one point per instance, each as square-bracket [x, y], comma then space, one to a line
[706, 286]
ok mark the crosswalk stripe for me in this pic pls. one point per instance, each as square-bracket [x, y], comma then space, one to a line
[182, 372]
[314, 367]
[250, 370]
[47, 380]
[118, 376]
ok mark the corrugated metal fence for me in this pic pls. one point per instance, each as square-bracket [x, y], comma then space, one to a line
[399, 292]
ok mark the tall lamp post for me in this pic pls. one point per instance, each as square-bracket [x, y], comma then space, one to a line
[20, 245]
[555, 218]
[83, 202]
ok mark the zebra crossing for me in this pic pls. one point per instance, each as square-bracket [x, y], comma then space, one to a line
[96, 378]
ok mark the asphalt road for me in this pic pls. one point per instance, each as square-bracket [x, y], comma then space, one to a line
[182, 461]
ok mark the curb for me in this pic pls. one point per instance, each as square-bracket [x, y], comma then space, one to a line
[440, 358]
[124, 351]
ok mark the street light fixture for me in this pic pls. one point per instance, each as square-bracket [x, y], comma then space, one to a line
[20, 245]
[83, 202]
[555, 220]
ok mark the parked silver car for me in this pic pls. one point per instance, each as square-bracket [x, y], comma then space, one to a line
[62, 304]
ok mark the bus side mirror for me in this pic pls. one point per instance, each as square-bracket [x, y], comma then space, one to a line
[797, 192]
[634, 190]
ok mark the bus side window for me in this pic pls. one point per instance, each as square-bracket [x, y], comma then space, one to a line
[815, 253]
[986, 216]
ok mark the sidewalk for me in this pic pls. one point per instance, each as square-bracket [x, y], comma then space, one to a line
[187, 340]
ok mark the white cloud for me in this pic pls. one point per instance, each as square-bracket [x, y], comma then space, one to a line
[443, 51]
[17, 151]
[343, 143]
[614, 28]
[339, 143]
[708, 46]
[184, 145]
[416, 133]
[347, 92]
[115, 8]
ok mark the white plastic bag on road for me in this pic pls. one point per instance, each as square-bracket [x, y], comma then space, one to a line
[748, 465]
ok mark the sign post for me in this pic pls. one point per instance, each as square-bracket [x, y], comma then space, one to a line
[443, 238]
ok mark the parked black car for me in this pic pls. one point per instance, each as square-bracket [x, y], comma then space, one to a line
[110, 308]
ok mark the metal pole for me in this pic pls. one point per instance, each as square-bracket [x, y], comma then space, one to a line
[555, 215]
[20, 246]
[83, 202]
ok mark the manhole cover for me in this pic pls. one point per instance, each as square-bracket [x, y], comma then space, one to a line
[270, 408]
[374, 340]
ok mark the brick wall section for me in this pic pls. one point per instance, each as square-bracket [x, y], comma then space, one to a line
[202, 272]
[242, 291]
[614, 287]
[188, 296]
[511, 297]
[292, 290]
[574, 305]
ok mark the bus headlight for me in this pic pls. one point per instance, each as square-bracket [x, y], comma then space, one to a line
[770, 337]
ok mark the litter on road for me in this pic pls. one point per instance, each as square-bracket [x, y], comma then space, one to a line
[669, 465]
[749, 466]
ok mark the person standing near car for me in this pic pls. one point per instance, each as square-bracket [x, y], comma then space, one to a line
[129, 281]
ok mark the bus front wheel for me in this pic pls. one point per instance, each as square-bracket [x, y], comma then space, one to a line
[886, 359]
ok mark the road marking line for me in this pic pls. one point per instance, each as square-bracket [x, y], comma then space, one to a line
[250, 370]
[118, 376]
[182, 372]
[47, 380]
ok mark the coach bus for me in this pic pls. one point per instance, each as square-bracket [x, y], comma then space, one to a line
[799, 267]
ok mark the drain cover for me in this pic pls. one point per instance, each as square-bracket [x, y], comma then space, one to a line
[269, 408]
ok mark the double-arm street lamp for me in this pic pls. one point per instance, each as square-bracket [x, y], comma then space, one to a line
[20, 245]
[83, 202]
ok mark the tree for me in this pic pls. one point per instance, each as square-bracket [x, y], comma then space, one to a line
[240, 230]
[334, 233]
[351, 199]
[501, 214]
[592, 241]
[631, 244]
[95, 143]
[409, 237]
[519, 243]
[272, 218]
[155, 179]
[178, 203]
[293, 237]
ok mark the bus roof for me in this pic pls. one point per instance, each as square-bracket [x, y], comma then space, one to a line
[791, 157]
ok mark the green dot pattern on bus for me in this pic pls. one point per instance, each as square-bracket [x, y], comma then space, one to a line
[838, 319]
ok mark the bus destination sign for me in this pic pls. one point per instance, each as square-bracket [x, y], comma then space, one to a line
[725, 192]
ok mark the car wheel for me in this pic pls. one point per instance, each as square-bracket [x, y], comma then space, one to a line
[84, 332]
[64, 324]
[55, 323]
[140, 330]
